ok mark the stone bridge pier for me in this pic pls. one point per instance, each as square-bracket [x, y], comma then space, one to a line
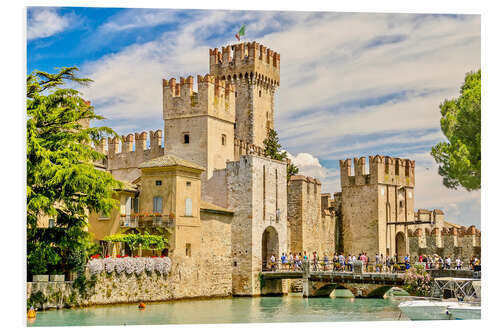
[323, 287]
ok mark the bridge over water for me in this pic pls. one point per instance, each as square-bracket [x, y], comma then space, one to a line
[322, 283]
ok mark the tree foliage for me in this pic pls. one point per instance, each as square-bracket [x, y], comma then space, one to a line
[62, 181]
[145, 241]
[459, 159]
[272, 149]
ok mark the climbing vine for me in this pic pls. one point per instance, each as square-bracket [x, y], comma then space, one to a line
[134, 241]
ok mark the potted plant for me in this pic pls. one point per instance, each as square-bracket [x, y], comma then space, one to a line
[39, 260]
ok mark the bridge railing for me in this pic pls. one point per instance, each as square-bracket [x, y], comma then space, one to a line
[329, 265]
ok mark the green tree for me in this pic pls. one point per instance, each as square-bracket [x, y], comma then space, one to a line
[272, 149]
[62, 181]
[459, 159]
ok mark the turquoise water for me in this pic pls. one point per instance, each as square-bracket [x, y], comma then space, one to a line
[293, 308]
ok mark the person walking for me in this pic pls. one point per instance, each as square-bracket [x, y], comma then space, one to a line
[325, 262]
[458, 263]
[377, 262]
[283, 260]
[448, 262]
[273, 262]
[342, 262]
[315, 261]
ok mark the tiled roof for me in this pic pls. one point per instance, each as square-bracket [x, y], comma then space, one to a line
[170, 160]
[211, 207]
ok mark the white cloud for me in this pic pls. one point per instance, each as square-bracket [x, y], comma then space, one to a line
[308, 165]
[45, 22]
[138, 18]
[344, 78]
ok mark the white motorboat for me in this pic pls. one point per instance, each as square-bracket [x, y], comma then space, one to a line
[426, 309]
[465, 311]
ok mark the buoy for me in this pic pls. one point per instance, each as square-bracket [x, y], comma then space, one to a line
[142, 306]
[31, 313]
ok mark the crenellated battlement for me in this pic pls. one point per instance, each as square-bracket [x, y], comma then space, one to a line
[446, 242]
[382, 170]
[242, 147]
[213, 97]
[122, 153]
[246, 61]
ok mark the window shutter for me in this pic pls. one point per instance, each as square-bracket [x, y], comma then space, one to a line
[189, 207]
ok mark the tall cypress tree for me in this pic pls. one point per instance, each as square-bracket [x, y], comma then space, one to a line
[272, 149]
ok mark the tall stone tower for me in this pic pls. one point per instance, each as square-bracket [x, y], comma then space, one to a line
[199, 125]
[254, 70]
[370, 201]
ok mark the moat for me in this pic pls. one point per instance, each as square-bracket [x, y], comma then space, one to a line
[291, 308]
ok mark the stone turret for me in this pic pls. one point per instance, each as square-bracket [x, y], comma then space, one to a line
[254, 70]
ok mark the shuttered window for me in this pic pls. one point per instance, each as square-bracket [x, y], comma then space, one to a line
[157, 205]
[189, 207]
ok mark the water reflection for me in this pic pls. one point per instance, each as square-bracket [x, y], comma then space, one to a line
[228, 310]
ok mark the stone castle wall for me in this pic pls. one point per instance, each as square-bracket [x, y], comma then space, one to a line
[206, 274]
[446, 242]
[256, 189]
[309, 227]
[255, 72]
[124, 163]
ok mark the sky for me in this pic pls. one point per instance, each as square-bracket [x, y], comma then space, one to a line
[352, 84]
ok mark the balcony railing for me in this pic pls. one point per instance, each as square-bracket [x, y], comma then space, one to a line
[132, 221]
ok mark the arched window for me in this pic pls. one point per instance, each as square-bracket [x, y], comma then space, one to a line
[223, 139]
[186, 138]
[189, 207]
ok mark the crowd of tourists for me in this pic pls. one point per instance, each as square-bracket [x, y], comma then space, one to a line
[378, 263]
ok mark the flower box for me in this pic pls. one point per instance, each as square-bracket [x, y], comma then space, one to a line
[57, 277]
[40, 278]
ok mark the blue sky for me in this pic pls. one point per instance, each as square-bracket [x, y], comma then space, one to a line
[351, 84]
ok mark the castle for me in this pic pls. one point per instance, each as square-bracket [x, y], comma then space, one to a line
[227, 208]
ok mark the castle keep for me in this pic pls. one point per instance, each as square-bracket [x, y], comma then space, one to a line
[226, 208]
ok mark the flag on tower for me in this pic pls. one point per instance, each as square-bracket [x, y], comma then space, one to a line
[240, 33]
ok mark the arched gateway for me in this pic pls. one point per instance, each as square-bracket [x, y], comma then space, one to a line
[400, 245]
[270, 246]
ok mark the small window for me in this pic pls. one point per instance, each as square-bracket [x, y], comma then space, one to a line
[260, 93]
[186, 138]
[188, 184]
[223, 139]
[188, 249]
[189, 207]
[158, 183]
[401, 204]
[236, 94]
[157, 205]
[52, 223]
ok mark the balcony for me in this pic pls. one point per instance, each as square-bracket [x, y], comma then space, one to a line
[141, 221]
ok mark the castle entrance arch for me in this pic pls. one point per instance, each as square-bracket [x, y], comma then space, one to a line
[400, 246]
[270, 246]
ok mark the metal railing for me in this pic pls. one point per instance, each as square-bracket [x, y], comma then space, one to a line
[132, 221]
[329, 265]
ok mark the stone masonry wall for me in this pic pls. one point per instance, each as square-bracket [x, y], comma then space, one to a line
[446, 242]
[310, 229]
[255, 198]
[205, 275]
